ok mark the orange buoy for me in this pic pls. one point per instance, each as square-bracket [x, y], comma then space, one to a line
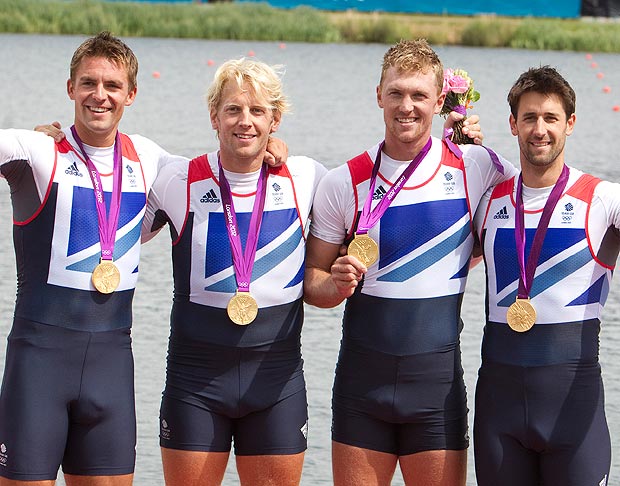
[156, 74]
[606, 89]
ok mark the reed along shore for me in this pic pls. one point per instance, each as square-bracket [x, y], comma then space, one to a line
[259, 21]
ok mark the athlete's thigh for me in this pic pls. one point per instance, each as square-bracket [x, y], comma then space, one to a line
[355, 466]
[271, 470]
[12, 482]
[193, 468]
[193, 427]
[122, 480]
[360, 429]
[499, 432]
[102, 435]
[41, 377]
[435, 468]
[581, 452]
[431, 404]
[362, 403]
[280, 429]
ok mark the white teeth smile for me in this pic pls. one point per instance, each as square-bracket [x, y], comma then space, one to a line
[245, 137]
[406, 120]
[97, 109]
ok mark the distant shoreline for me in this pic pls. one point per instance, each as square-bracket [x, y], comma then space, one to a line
[256, 21]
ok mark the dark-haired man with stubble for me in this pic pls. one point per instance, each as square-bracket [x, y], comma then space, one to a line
[405, 209]
[551, 240]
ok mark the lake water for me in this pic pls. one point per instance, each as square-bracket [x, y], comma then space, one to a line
[335, 116]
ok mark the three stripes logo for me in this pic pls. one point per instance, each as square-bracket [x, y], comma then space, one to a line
[379, 193]
[210, 197]
[73, 170]
[502, 214]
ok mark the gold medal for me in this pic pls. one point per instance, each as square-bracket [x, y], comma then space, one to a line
[106, 277]
[365, 249]
[242, 308]
[521, 315]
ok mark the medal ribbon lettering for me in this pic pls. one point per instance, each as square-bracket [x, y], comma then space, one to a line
[243, 260]
[107, 222]
[369, 218]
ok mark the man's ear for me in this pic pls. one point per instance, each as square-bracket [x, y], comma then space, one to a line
[513, 125]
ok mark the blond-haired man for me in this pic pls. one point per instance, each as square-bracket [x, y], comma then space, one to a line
[234, 369]
[404, 208]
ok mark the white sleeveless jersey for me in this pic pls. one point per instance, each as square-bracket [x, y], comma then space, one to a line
[189, 195]
[425, 236]
[56, 224]
[574, 270]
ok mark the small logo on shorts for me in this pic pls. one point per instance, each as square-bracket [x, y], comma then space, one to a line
[603, 481]
[164, 430]
[304, 430]
[3, 455]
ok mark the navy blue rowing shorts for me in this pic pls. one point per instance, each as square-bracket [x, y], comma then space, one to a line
[542, 425]
[67, 399]
[215, 395]
[399, 404]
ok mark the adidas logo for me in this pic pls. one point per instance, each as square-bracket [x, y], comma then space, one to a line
[73, 170]
[502, 214]
[379, 193]
[210, 197]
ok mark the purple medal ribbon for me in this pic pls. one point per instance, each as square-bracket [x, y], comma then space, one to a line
[369, 218]
[447, 137]
[526, 275]
[107, 222]
[243, 261]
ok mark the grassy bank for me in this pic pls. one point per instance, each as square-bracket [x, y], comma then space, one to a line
[251, 21]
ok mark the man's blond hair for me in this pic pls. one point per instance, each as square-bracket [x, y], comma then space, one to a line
[410, 56]
[263, 79]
